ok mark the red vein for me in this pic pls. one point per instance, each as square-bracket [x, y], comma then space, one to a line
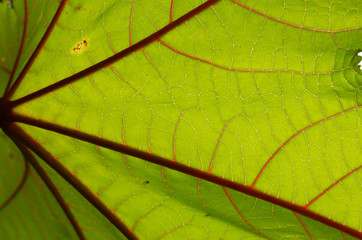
[292, 137]
[305, 228]
[344, 237]
[291, 24]
[199, 193]
[241, 215]
[36, 51]
[176, 228]
[218, 142]
[74, 7]
[145, 215]
[18, 188]
[32, 7]
[53, 189]
[5, 69]
[164, 180]
[124, 200]
[20, 51]
[153, 37]
[162, 162]
[19, 219]
[174, 137]
[334, 184]
[105, 188]
[244, 70]
[130, 24]
[216, 147]
[37, 209]
[171, 10]
[17, 134]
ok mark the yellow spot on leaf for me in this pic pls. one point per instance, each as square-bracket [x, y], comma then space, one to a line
[79, 47]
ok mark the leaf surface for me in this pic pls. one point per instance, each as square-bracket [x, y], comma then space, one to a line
[222, 119]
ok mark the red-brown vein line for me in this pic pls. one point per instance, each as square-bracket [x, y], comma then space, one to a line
[344, 237]
[292, 137]
[32, 7]
[241, 215]
[20, 136]
[152, 158]
[37, 211]
[18, 188]
[176, 228]
[144, 215]
[53, 189]
[291, 24]
[5, 69]
[218, 142]
[130, 24]
[174, 137]
[200, 196]
[303, 225]
[332, 185]
[244, 70]
[199, 59]
[20, 51]
[153, 37]
[171, 10]
[37, 50]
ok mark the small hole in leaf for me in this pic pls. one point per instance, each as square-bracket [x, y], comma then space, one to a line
[356, 61]
[146, 182]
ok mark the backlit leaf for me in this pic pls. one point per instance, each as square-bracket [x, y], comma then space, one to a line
[181, 119]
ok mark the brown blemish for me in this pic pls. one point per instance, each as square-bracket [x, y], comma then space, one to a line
[80, 46]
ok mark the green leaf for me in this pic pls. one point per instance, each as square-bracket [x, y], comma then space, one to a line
[172, 119]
